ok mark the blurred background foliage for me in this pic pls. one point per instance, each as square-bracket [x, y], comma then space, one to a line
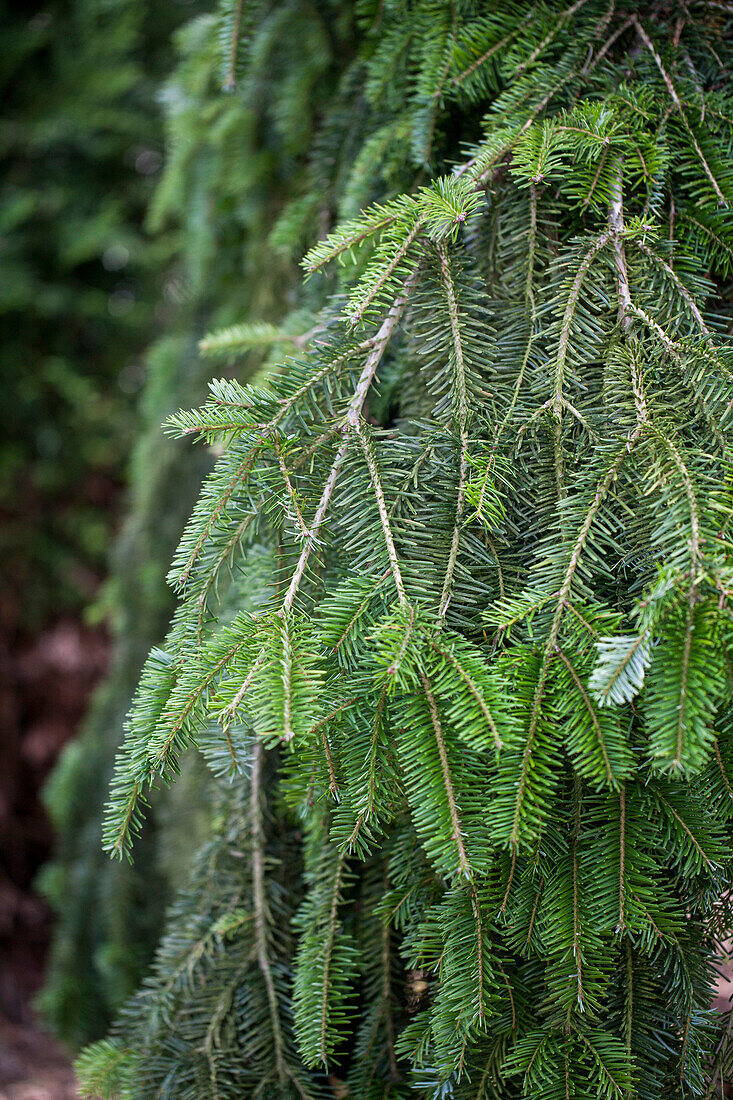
[81, 144]
[81, 296]
[149, 195]
[84, 288]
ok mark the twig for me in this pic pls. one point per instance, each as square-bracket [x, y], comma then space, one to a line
[462, 400]
[259, 903]
[678, 104]
[377, 350]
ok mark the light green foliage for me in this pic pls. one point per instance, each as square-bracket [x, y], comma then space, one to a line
[327, 960]
[484, 683]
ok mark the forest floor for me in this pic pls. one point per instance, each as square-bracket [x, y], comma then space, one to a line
[33, 1066]
[46, 682]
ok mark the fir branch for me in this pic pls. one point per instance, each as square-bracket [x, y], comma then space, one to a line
[620, 667]
[686, 829]
[606, 1073]
[552, 34]
[450, 658]
[287, 671]
[245, 337]
[678, 104]
[719, 241]
[394, 1072]
[361, 607]
[691, 499]
[330, 936]
[595, 59]
[463, 861]
[240, 474]
[163, 749]
[289, 488]
[259, 904]
[366, 816]
[591, 714]
[723, 773]
[497, 47]
[530, 300]
[557, 400]
[476, 906]
[352, 419]
[679, 285]
[375, 287]
[332, 784]
[383, 516]
[224, 555]
[313, 382]
[621, 925]
[550, 645]
[236, 702]
[462, 421]
[577, 947]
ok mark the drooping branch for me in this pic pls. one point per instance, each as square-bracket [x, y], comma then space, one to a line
[678, 104]
[462, 425]
[463, 861]
[383, 516]
[259, 903]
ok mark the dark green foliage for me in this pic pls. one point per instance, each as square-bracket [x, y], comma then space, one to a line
[455, 594]
[82, 143]
[81, 147]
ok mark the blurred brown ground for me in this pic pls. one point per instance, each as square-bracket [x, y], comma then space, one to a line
[32, 1066]
[45, 685]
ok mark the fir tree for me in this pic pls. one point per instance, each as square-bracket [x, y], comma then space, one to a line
[453, 631]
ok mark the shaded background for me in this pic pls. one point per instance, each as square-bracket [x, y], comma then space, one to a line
[83, 290]
[140, 207]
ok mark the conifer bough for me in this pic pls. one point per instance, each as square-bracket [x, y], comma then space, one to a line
[454, 628]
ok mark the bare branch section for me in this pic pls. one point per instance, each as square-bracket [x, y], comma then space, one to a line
[616, 225]
[231, 77]
[625, 306]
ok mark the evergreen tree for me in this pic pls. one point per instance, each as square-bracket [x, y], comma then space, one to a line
[453, 633]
